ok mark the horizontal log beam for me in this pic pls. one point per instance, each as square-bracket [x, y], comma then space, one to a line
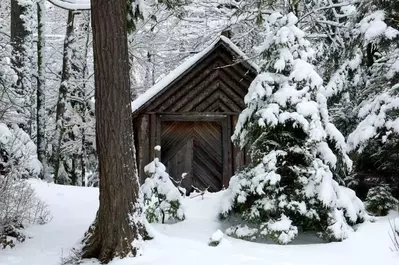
[192, 117]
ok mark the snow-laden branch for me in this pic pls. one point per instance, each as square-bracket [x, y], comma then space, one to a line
[327, 22]
[332, 6]
[72, 4]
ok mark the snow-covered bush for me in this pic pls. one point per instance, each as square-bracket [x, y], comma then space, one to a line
[298, 156]
[162, 200]
[19, 205]
[11, 103]
[18, 153]
[380, 200]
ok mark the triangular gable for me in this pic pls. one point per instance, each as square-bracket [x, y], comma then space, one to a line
[159, 88]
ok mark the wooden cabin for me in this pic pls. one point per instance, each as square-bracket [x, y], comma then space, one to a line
[191, 114]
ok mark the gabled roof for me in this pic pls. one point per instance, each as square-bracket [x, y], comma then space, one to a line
[152, 93]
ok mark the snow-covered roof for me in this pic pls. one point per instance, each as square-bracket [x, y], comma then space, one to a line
[186, 65]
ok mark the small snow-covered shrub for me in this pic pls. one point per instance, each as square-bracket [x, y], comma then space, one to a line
[380, 200]
[19, 205]
[298, 157]
[162, 200]
[73, 258]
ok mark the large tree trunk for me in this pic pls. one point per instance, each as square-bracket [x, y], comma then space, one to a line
[118, 227]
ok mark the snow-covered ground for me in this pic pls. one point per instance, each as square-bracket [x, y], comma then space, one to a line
[186, 242]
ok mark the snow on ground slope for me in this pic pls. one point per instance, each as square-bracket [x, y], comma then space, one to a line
[186, 242]
[73, 209]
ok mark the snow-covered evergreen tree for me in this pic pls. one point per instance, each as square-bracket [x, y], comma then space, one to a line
[377, 106]
[375, 137]
[162, 199]
[298, 156]
[380, 200]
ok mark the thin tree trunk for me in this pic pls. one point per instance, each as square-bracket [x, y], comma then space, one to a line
[19, 34]
[40, 93]
[118, 228]
[83, 154]
[62, 97]
[21, 40]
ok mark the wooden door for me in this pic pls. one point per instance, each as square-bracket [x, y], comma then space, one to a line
[194, 148]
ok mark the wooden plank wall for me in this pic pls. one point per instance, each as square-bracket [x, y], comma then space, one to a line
[194, 148]
[148, 134]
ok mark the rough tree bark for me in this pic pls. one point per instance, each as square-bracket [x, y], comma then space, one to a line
[118, 228]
